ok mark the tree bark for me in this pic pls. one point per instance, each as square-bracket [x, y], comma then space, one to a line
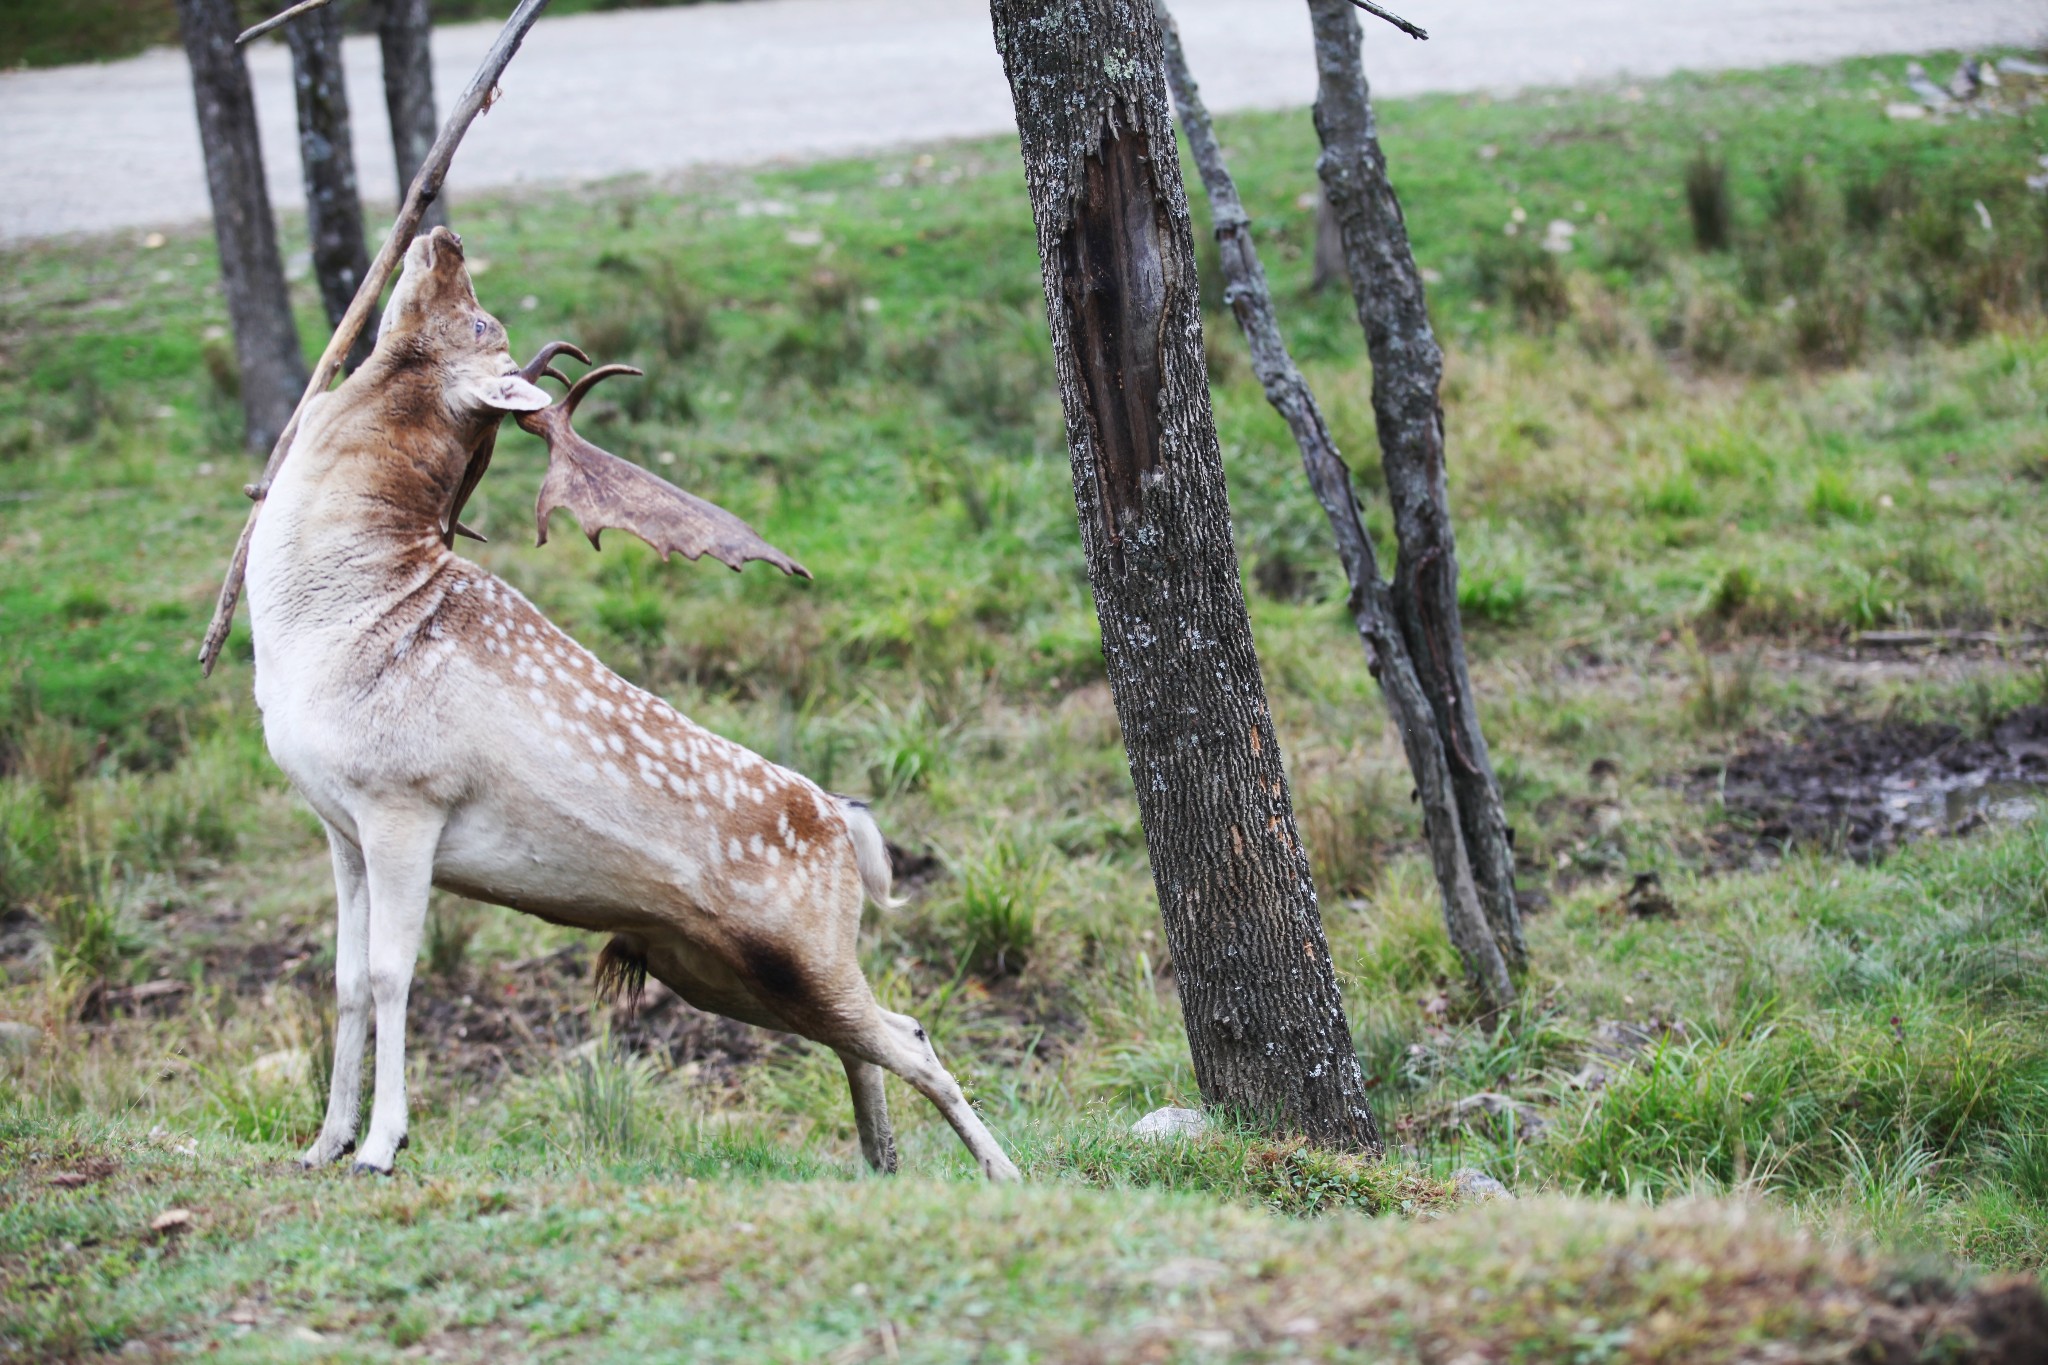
[405, 35]
[334, 207]
[272, 370]
[1386, 650]
[1265, 1024]
[1407, 374]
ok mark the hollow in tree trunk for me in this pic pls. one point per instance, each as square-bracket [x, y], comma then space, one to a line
[334, 208]
[1370, 601]
[405, 37]
[271, 370]
[1407, 374]
[1258, 992]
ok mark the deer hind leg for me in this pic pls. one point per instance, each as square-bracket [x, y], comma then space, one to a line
[900, 1044]
[398, 853]
[352, 1000]
[871, 1112]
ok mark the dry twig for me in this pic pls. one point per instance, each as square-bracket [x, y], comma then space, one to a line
[425, 186]
[1412, 30]
[280, 19]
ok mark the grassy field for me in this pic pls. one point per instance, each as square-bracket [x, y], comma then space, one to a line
[1686, 481]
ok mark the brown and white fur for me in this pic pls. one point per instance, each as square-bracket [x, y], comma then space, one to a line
[448, 735]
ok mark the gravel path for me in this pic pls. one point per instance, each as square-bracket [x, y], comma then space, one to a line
[101, 148]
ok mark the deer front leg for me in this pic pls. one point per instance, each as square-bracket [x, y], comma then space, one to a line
[398, 854]
[352, 1000]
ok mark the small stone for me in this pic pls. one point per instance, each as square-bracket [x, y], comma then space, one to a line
[1165, 1124]
[1476, 1186]
[18, 1039]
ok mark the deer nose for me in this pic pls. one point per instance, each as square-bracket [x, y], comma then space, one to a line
[443, 237]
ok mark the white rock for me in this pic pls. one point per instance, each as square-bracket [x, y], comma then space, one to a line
[286, 1066]
[1164, 1124]
[1476, 1186]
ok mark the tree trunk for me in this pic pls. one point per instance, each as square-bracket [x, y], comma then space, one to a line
[334, 208]
[1258, 992]
[1407, 372]
[272, 370]
[405, 33]
[1386, 651]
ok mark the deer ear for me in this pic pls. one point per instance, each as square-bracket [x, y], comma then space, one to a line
[505, 393]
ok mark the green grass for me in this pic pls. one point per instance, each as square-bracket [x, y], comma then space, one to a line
[1676, 500]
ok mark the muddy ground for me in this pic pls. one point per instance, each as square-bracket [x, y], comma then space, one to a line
[1868, 785]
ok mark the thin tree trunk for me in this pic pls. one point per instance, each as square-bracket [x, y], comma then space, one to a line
[1265, 1024]
[334, 208]
[272, 370]
[1386, 651]
[405, 35]
[1407, 373]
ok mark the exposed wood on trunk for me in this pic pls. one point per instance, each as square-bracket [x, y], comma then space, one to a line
[334, 208]
[405, 36]
[1386, 651]
[272, 369]
[1329, 259]
[425, 186]
[1258, 992]
[1407, 373]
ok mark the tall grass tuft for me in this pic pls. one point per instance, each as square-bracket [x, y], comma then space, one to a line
[1708, 203]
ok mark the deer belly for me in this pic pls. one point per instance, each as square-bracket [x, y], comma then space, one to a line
[562, 865]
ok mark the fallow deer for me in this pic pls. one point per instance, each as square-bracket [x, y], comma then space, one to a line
[447, 734]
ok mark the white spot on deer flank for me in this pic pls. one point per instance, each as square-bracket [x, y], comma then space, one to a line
[615, 773]
[733, 851]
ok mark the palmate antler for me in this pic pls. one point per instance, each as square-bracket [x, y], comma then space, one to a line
[605, 492]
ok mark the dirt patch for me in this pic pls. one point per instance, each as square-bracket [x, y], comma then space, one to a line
[507, 1017]
[1868, 786]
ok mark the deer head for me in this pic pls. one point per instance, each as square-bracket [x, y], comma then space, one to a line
[434, 320]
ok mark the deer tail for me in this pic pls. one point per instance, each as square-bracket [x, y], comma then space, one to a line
[870, 851]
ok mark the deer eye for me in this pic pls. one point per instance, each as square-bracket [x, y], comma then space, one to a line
[481, 326]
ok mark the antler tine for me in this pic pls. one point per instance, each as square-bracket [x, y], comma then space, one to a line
[538, 366]
[583, 385]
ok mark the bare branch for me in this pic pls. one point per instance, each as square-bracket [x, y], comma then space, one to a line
[277, 21]
[1412, 30]
[425, 186]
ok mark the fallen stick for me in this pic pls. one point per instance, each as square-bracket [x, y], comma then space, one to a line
[425, 186]
[1904, 639]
